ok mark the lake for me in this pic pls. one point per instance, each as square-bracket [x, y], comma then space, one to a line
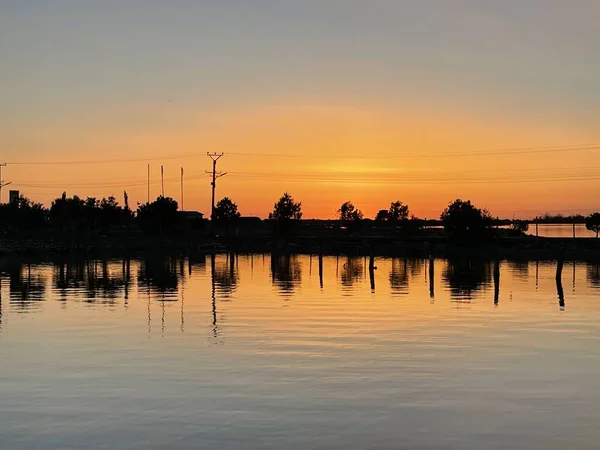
[255, 351]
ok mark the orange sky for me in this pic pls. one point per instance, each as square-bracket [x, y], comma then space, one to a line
[360, 102]
[322, 155]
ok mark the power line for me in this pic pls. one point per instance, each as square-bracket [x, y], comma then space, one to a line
[101, 161]
[425, 154]
[419, 154]
[385, 176]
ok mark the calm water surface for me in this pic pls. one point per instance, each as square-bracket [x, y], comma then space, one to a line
[289, 352]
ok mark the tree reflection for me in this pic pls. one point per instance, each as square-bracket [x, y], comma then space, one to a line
[593, 275]
[159, 275]
[26, 287]
[352, 271]
[68, 276]
[520, 269]
[286, 272]
[466, 276]
[101, 282]
[399, 276]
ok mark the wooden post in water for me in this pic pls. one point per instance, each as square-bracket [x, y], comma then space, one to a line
[496, 281]
[321, 270]
[372, 272]
[559, 287]
[431, 277]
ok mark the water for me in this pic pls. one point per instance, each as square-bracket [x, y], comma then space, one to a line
[260, 352]
[561, 230]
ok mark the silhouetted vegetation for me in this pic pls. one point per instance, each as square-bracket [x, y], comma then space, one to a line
[285, 212]
[519, 227]
[74, 213]
[398, 212]
[226, 211]
[286, 209]
[159, 216]
[26, 215]
[350, 217]
[463, 221]
[592, 223]
[560, 219]
[98, 225]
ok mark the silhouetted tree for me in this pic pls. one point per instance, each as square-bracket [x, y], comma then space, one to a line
[67, 212]
[463, 220]
[158, 216]
[592, 223]
[382, 215]
[398, 211]
[25, 215]
[350, 217]
[348, 213]
[226, 211]
[286, 209]
[519, 227]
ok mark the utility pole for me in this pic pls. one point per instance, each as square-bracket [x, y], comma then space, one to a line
[182, 189]
[2, 183]
[162, 179]
[148, 183]
[215, 157]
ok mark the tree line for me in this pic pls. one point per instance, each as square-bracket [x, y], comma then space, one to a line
[460, 219]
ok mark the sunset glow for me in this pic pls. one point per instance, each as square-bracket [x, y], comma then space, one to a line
[336, 109]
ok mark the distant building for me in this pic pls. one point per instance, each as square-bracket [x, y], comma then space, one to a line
[191, 215]
[13, 198]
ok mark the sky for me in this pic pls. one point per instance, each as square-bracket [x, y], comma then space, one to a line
[329, 100]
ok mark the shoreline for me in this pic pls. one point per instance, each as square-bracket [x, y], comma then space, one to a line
[526, 247]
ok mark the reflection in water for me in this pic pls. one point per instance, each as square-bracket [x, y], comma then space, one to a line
[286, 272]
[399, 276]
[127, 277]
[431, 278]
[321, 271]
[520, 269]
[213, 282]
[159, 275]
[559, 286]
[26, 288]
[466, 276]
[225, 275]
[496, 282]
[419, 371]
[352, 271]
[372, 273]
[593, 275]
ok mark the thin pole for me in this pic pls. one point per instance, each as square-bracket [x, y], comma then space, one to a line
[162, 179]
[2, 183]
[148, 183]
[182, 189]
[215, 157]
[214, 185]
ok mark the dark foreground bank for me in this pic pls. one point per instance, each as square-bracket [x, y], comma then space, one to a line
[526, 247]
